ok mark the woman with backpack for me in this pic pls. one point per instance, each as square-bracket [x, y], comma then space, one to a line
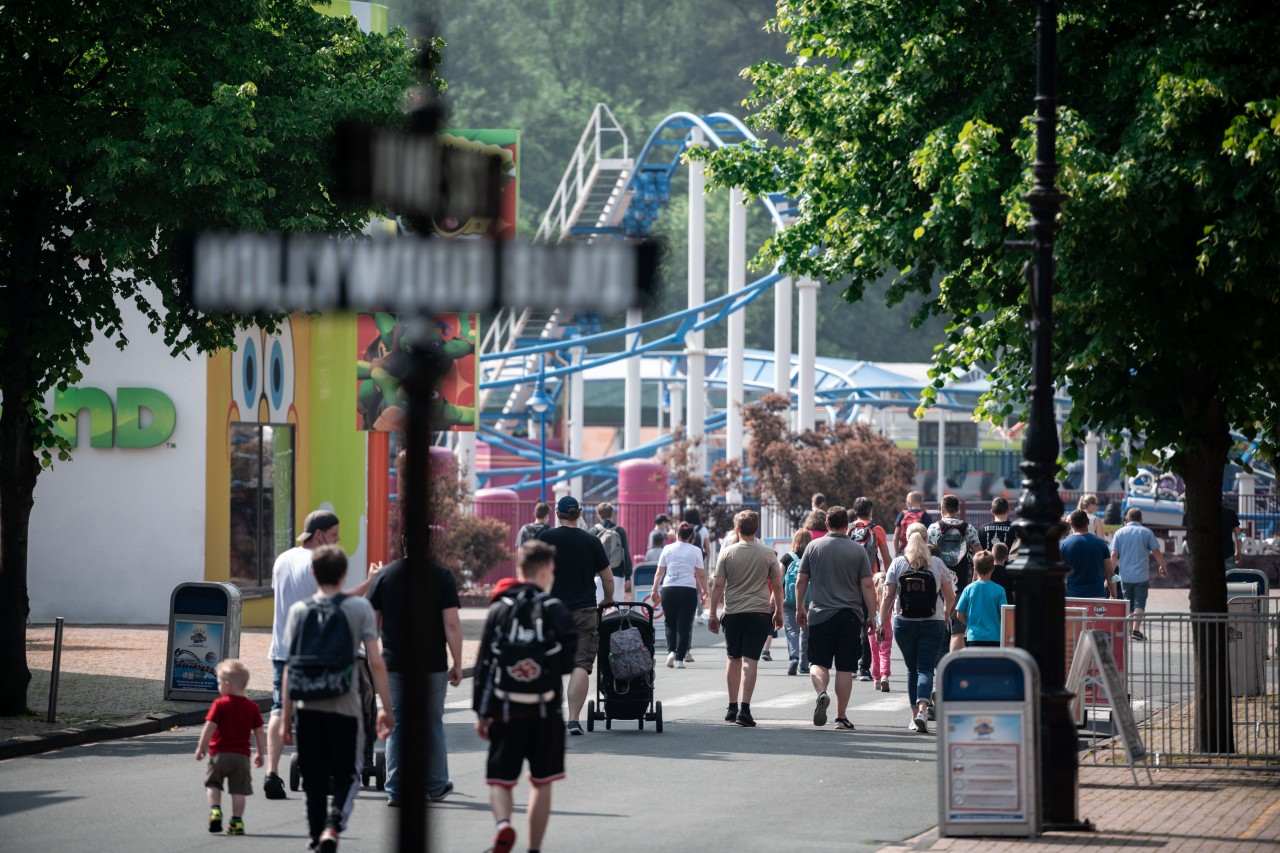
[679, 583]
[920, 595]
[797, 637]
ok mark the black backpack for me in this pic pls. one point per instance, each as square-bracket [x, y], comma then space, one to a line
[866, 537]
[321, 655]
[917, 593]
[953, 545]
[523, 642]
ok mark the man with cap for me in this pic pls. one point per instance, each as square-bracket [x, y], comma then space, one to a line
[291, 582]
[579, 558]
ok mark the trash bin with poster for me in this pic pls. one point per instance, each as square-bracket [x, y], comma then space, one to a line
[204, 630]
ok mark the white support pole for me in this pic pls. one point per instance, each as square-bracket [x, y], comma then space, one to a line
[632, 402]
[782, 337]
[1091, 463]
[942, 454]
[737, 326]
[808, 347]
[695, 349]
[466, 450]
[577, 407]
[677, 405]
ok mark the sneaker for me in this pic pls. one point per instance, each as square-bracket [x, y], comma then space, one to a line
[843, 724]
[884, 684]
[744, 718]
[920, 724]
[215, 819]
[436, 798]
[504, 840]
[688, 658]
[573, 727]
[328, 841]
[792, 667]
[671, 659]
[679, 664]
[731, 714]
[863, 675]
[1139, 636]
[933, 712]
[820, 709]
[273, 787]
[393, 803]
[804, 670]
[236, 827]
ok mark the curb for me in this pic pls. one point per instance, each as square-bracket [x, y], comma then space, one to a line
[158, 721]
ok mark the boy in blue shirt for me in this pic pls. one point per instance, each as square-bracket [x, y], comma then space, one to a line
[980, 603]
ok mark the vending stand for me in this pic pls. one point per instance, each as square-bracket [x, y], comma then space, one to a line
[988, 743]
[204, 630]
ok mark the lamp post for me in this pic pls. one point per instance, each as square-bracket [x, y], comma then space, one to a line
[540, 403]
[1038, 572]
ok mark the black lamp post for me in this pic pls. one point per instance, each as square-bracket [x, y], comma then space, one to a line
[1038, 572]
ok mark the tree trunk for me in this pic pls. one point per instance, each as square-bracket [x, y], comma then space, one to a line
[1202, 472]
[19, 468]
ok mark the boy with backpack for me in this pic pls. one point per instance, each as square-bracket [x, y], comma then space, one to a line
[870, 536]
[535, 528]
[979, 606]
[323, 635]
[225, 739]
[914, 513]
[957, 541]
[527, 647]
[614, 539]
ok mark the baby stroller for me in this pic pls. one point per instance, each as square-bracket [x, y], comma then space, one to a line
[624, 698]
[374, 751]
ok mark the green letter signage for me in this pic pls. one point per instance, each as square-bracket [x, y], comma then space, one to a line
[105, 427]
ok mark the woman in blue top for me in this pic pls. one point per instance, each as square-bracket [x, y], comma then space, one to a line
[678, 585]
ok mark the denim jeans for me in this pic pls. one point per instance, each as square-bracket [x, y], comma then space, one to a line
[437, 749]
[920, 642]
[678, 604]
[797, 640]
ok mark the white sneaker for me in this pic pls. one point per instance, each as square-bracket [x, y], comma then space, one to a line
[671, 659]
[679, 664]
[688, 658]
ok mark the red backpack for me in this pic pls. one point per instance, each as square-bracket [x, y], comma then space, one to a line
[909, 517]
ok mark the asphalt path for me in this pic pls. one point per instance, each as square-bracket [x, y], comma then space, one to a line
[784, 785]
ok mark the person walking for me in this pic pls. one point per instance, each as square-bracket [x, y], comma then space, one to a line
[913, 513]
[979, 606]
[397, 623]
[534, 529]
[579, 558]
[225, 739]
[797, 637]
[680, 581]
[871, 536]
[1089, 503]
[621, 571]
[1131, 548]
[999, 529]
[1089, 559]
[919, 597]
[881, 641]
[747, 579]
[843, 597]
[957, 542]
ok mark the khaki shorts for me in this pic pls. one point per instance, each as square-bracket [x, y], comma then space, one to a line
[587, 623]
[232, 766]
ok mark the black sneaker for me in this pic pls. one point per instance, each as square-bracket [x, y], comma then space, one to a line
[215, 819]
[731, 714]
[820, 709]
[843, 724]
[329, 841]
[793, 667]
[273, 787]
[573, 727]
[766, 656]
[744, 718]
[933, 712]
[864, 675]
[439, 798]
[1139, 636]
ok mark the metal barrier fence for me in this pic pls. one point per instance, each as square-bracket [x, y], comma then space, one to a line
[1160, 675]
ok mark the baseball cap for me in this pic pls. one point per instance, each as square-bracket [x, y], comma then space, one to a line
[662, 519]
[567, 504]
[321, 519]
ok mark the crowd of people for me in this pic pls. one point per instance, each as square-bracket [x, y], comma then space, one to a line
[841, 596]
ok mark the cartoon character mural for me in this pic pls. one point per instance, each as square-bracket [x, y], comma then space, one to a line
[382, 364]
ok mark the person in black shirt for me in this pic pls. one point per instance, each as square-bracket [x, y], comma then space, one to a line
[1000, 574]
[389, 595]
[999, 530]
[579, 558]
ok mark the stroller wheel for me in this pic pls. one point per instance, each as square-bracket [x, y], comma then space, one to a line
[657, 714]
[640, 723]
[295, 774]
[608, 722]
[380, 768]
[591, 715]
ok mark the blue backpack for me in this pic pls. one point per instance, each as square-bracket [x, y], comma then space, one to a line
[321, 656]
[789, 578]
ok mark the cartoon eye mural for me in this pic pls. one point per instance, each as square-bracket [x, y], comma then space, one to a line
[246, 374]
[277, 373]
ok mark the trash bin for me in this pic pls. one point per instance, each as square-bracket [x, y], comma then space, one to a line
[1258, 579]
[1246, 643]
[204, 630]
[989, 743]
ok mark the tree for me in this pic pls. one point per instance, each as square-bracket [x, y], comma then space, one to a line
[907, 136]
[129, 125]
[842, 461]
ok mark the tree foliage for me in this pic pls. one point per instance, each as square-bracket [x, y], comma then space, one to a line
[905, 131]
[129, 125]
[842, 461]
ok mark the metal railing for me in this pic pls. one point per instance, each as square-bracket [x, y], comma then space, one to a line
[1161, 672]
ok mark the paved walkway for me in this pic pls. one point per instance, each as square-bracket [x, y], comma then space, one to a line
[112, 678]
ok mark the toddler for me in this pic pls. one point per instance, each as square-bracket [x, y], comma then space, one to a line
[225, 739]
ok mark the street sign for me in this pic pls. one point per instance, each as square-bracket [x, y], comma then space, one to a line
[273, 273]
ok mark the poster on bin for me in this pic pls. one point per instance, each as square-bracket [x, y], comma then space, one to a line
[1107, 615]
[984, 772]
[197, 651]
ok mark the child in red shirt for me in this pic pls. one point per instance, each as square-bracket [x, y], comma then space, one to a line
[225, 739]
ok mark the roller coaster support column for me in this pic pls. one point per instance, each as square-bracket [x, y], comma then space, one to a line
[1090, 483]
[737, 329]
[942, 455]
[577, 407]
[695, 349]
[782, 337]
[465, 447]
[632, 403]
[808, 346]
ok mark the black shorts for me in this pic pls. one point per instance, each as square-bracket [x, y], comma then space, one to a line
[838, 638]
[538, 739]
[745, 633]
